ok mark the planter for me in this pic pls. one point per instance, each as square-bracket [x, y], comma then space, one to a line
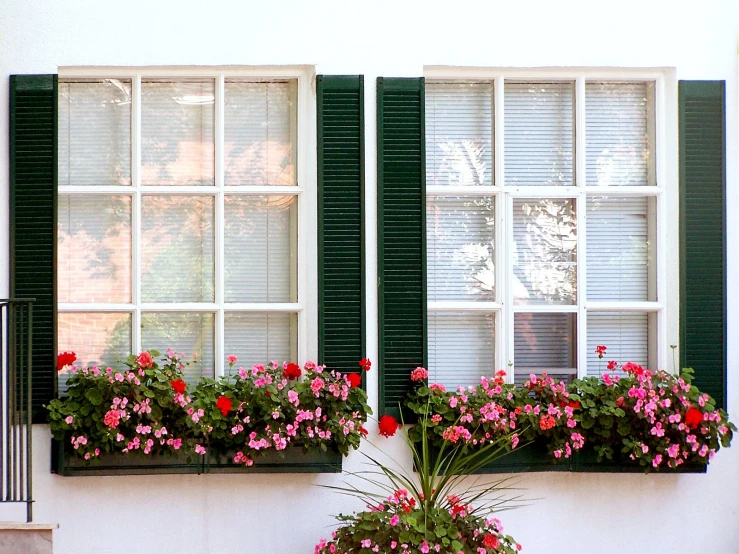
[295, 460]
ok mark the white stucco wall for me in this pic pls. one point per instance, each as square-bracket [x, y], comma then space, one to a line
[286, 514]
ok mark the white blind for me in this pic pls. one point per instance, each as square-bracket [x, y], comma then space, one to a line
[459, 248]
[545, 248]
[94, 135]
[260, 133]
[539, 133]
[624, 334]
[177, 133]
[187, 333]
[177, 252]
[94, 248]
[617, 128]
[544, 342]
[258, 338]
[459, 134]
[619, 252]
[261, 248]
[461, 347]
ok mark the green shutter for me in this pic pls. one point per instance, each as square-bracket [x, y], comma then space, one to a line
[33, 179]
[703, 234]
[341, 276]
[401, 189]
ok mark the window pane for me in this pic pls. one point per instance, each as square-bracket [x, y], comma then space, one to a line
[461, 347]
[258, 338]
[619, 131]
[177, 132]
[94, 136]
[459, 133]
[261, 248]
[94, 248]
[459, 249]
[97, 338]
[545, 342]
[260, 133]
[545, 249]
[620, 249]
[626, 336]
[539, 133]
[187, 333]
[177, 249]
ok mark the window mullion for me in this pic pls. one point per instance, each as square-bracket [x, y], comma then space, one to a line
[581, 207]
[503, 350]
[136, 213]
[219, 344]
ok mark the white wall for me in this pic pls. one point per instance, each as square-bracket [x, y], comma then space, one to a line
[285, 514]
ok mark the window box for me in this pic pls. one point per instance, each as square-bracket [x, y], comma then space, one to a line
[67, 464]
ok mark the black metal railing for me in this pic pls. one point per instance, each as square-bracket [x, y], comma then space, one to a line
[16, 361]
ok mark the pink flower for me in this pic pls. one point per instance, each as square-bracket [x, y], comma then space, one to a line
[394, 520]
[199, 449]
[112, 418]
[317, 385]
[424, 547]
[232, 359]
[69, 420]
[419, 374]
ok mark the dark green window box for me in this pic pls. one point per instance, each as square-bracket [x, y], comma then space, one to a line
[294, 461]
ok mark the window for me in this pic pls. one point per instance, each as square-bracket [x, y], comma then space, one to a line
[181, 213]
[546, 225]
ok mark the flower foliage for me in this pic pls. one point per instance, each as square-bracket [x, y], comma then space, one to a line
[148, 408]
[655, 419]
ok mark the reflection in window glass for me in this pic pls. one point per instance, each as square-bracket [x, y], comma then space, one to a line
[94, 248]
[545, 343]
[177, 132]
[461, 347]
[177, 253]
[459, 248]
[545, 251]
[187, 333]
[257, 338]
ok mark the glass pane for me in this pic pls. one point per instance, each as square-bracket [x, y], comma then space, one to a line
[177, 249]
[94, 248]
[94, 136]
[459, 133]
[258, 338]
[461, 347]
[544, 251]
[460, 248]
[539, 133]
[620, 249]
[97, 338]
[261, 248]
[545, 342]
[186, 333]
[260, 133]
[619, 133]
[626, 336]
[177, 132]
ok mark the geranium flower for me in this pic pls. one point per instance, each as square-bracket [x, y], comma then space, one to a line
[355, 379]
[419, 374]
[388, 425]
[64, 359]
[693, 418]
[365, 364]
[600, 350]
[490, 541]
[178, 385]
[292, 371]
[145, 360]
[224, 404]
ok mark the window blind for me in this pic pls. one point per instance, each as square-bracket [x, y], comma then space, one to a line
[459, 134]
[626, 336]
[544, 342]
[257, 338]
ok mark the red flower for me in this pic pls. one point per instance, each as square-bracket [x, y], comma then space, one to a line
[178, 385]
[64, 359]
[145, 360]
[573, 404]
[613, 364]
[292, 371]
[490, 541]
[388, 425]
[363, 431]
[365, 364]
[546, 422]
[693, 418]
[224, 404]
[355, 379]
[600, 350]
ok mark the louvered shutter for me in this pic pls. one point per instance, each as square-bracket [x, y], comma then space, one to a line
[702, 114]
[33, 179]
[401, 184]
[341, 278]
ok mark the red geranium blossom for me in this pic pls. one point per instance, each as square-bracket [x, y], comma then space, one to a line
[388, 425]
[64, 359]
[490, 541]
[365, 364]
[224, 404]
[693, 418]
[178, 385]
[600, 350]
[363, 431]
[355, 379]
[292, 371]
[145, 360]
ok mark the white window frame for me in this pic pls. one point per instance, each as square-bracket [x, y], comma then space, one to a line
[305, 191]
[665, 191]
